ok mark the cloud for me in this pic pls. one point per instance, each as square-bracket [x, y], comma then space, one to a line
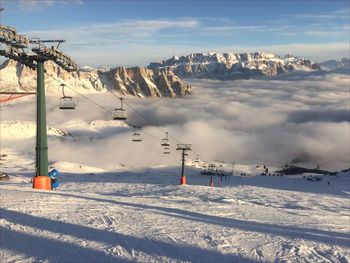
[332, 15]
[117, 30]
[250, 121]
[303, 116]
[31, 5]
[270, 122]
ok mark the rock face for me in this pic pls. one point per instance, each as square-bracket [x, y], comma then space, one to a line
[140, 81]
[232, 66]
[137, 81]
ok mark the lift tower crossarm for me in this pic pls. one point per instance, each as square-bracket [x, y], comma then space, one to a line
[48, 41]
[9, 35]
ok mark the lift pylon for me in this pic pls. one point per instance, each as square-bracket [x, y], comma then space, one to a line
[17, 47]
[184, 148]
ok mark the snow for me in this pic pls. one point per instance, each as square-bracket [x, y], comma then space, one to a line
[19, 130]
[145, 216]
[109, 211]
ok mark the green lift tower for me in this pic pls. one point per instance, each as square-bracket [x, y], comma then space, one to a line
[33, 53]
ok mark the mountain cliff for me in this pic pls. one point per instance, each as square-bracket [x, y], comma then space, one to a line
[136, 81]
[232, 65]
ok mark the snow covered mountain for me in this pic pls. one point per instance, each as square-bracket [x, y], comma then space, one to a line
[136, 81]
[335, 64]
[233, 65]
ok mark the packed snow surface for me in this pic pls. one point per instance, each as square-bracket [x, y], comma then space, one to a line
[144, 215]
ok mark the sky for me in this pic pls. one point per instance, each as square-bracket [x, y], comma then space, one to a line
[131, 33]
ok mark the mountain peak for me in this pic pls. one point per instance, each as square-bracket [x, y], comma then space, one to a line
[233, 65]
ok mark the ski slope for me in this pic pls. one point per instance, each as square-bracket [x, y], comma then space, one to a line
[144, 215]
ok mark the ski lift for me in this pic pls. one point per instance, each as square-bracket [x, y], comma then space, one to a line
[165, 143]
[67, 102]
[136, 137]
[197, 159]
[166, 150]
[119, 114]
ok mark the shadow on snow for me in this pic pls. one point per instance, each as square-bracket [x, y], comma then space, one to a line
[42, 248]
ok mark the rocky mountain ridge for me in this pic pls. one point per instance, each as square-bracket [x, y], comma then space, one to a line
[335, 64]
[162, 79]
[233, 65]
[136, 81]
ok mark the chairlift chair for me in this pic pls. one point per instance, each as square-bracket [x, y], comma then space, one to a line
[196, 160]
[119, 113]
[165, 141]
[67, 102]
[136, 137]
[166, 150]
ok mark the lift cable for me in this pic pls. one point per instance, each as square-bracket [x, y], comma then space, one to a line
[102, 107]
[85, 97]
[142, 115]
[130, 106]
[148, 120]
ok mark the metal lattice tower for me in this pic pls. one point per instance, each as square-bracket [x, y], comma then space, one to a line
[184, 148]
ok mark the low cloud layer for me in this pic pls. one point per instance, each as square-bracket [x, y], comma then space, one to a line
[270, 122]
[303, 116]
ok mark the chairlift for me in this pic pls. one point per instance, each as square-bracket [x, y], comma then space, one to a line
[67, 102]
[166, 150]
[136, 137]
[196, 160]
[119, 113]
[165, 141]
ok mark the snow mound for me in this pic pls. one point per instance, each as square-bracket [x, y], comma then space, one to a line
[20, 130]
[69, 167]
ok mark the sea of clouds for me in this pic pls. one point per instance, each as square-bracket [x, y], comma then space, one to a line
[301, 120]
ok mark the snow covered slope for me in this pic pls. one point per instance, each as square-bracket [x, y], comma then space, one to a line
[145, 216]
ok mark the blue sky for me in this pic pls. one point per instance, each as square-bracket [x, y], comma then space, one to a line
[115, 33]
